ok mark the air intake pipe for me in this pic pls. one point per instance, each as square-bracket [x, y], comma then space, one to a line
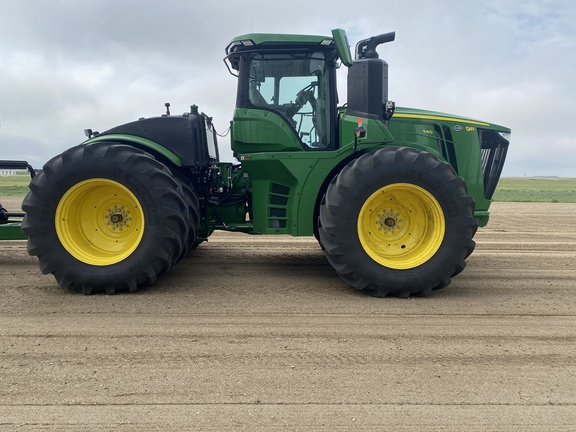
[366, 48]
[368, 81]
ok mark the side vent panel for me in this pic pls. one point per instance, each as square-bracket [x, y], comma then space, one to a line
[277, 206]
[446, 144]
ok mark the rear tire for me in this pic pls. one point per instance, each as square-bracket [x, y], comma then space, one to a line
[105, 217]
[193, 209]
[397, 222]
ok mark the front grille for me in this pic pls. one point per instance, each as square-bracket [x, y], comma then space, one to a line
[494, 148]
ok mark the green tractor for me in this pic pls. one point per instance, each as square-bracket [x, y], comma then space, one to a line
[393, 195]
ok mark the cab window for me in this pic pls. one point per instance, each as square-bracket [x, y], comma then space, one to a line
[297, 87]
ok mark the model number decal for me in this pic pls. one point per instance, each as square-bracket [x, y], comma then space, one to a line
[428, 132]
[458, 128]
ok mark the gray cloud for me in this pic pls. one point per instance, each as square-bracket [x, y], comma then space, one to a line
[67, 65]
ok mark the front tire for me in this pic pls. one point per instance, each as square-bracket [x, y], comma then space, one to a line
[397, 222]
[105, 217]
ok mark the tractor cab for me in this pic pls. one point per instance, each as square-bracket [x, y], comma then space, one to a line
[286, 98]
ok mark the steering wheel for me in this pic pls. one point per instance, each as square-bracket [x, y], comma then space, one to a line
[306, 95]
[302, 97]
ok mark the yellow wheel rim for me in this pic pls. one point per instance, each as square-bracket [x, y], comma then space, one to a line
[401, 226]
[99, 222]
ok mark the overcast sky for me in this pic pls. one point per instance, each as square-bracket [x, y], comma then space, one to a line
[68, 65]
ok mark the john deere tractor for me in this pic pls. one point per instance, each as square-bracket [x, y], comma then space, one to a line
[393, 195]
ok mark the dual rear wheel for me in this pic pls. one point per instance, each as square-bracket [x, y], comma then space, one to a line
[106, 217]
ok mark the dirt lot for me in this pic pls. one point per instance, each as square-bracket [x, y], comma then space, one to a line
[257, 333]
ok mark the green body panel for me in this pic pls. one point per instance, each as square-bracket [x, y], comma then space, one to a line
[287, 179]
[260, 130]
[12, 231]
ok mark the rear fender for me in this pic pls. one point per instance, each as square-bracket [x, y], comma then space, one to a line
[180, 140]
[142, 143]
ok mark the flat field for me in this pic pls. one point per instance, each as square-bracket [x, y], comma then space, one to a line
[510, 189]
[259, 334]
[536, 189]
[14, 185]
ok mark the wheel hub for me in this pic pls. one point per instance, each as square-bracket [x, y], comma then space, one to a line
[388, 221]
[117, 218]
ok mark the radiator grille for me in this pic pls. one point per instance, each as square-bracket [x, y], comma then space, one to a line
[494, 147]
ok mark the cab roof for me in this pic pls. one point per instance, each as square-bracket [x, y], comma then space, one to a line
[256, 41]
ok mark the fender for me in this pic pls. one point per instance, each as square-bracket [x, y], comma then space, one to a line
[182, 140]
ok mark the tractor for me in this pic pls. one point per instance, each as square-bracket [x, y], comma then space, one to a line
[393, 195]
